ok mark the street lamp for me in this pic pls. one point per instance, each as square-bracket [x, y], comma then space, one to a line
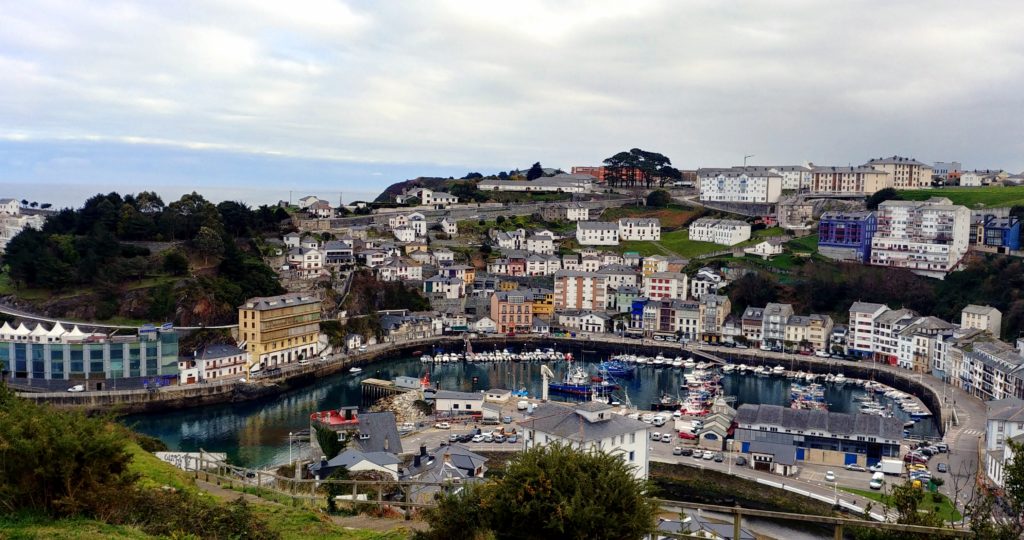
[290, 434]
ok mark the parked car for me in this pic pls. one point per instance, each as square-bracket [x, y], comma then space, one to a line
[687, 451]
[465, 438]
[943, 447]
[697, 454]
[77, 388]
[709, 455]
[478, 438]
[488, 438]
[666, 437]
[686, 435]
[830, 476]
[362, 348]
[877, 467]
[741, 461]
[655, 436]
[659, 338]
[454, 437]
[821, 354]
[499, 438]
[442, 425]
[942, 467]
[513, 438]
[677, 451]
[855, 467]
[719, 457]
[506, 420]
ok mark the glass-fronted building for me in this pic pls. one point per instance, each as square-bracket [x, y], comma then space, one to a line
[61, 355]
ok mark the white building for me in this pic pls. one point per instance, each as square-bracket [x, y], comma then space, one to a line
[448, 287]
[670, 285]
[584, 321]
[577, 212]
[398, 269]
[929, 238]
[597, 233]
[443, 256]
[562, 183]
[11, 207]
[484, 325]
[307, 201]
[458, 403]
[1005, 421]
[640, 229]
[418, 222]
[404, 234]
[738, 185]
[590, 426]
[543, 244]
[794, 177]
[12, 225]
[449, 226]
[861, 328]
[213, 363]
[307, 259]
[859, 181]
[542, 265]
[765, 249]
[727, 232]
[706, 281]
[619, 275]
[985, 318]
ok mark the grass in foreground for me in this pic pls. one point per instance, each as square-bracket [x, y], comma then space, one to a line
[942, 505]
[971, 197]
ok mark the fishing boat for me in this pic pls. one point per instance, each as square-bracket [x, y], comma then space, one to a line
[355, 370]
[615, 368]
[666, 403]
[577, 383]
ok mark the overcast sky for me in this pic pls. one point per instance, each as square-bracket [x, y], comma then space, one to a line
[353, 96]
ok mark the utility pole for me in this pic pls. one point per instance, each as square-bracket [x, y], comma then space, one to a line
[745, 160]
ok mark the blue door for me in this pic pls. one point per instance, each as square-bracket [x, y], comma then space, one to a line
[745, 447]
[799, 454]
[850, 459]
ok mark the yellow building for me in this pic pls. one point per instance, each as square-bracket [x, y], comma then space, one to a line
[507, 285]
[543, 303]
[654, 264]
[278, 330]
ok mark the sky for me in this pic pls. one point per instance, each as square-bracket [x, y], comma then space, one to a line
[253, 99]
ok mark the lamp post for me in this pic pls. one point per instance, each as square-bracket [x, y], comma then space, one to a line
[290, 461]
[745, 160]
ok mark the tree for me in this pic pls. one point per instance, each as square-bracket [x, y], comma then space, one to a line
[45, 205]
[175, 263]
[334, 490]
[561, 491]
[33, 204]
[328, 440]
[472, 176]
[535, 172]
[881, 196]
[208, 242]
[752, 290]
[659, 198]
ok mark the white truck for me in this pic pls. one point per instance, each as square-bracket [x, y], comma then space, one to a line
[892, 466]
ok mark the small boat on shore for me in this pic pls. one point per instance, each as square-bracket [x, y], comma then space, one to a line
[355, 370]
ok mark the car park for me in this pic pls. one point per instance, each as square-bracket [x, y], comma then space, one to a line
[830, 476]
[677, 451]
[855, 467]
[942, 467]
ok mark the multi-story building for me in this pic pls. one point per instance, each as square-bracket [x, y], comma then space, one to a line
[713, 311]
[1005, 423]
[543, 303]
[849, 180]
[782, 434]
[752, 324]
[589, 426]
[619, 275]
[796, 329]
[706, 281]
[985, 318]
[584, 321]
[648, 229]
[886, 331]
[567, 212]
[278, 330]
[542, 265]
[929, 238]
[665, 285]
[654, 263]
[577, 290]
[563, 183]
[906, 173]
[738, 185]
[846, 236]
[919, 343]
[989, 369]
[597, 233]
[445, 287]
[621, 299]
[512, 311]
[100, 361]
[214, 363]
[947, 171]
[819, 331]
[449, 226]
[543, 244]
[861, 338]
[794, 177]
[978, 178]
[996, 232]
[773, 323]
[12, 221]
[727, 232]
[399, 269]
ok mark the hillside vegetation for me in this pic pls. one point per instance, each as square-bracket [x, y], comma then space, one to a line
[134, 258]
[977, 197]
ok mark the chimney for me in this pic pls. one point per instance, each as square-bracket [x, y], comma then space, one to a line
[423, 450]
[416, 461]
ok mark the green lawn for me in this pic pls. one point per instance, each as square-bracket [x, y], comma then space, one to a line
[945, 510]
[806, 244]
[978, 197]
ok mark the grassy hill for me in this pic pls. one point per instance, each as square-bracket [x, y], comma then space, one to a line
[979, 197]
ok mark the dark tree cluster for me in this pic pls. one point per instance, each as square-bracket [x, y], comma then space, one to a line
[639, 167]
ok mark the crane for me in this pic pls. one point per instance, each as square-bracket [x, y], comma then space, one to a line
[546, 375]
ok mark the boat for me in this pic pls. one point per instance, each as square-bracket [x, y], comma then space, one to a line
[728, 368]
[666, 403]
[778, 370]
[840, 378]
[426, 358]
[577, 383]
[616, 368]
[689, 363]
[355, 370]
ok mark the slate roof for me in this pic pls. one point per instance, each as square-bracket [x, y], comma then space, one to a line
[211, 352]
[865, 307]
[383, 432]
[449, 394]
[831, 422]
[897, 160]
[349, 458]
[274, 302]
[785, 454]
[1009, 409]
[563, 421]
[597, 225]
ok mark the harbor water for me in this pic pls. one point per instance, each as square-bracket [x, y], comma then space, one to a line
[256, 433]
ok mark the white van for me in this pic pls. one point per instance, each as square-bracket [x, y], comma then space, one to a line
[876, 480]
[522, 405]
[658, 421]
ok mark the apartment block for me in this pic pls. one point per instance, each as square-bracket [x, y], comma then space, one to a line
[278, 330]
[846, 236]
[929, 237]
[727, 232]
[512, 311]
[666, 285]
[849, 180]
[860, 339]
[597, 233]
[575, 290]
[773, 323]
[648, 229]
[739, 185]
[985, 318]
[906, 173]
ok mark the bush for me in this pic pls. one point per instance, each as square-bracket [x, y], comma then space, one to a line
[659, 198]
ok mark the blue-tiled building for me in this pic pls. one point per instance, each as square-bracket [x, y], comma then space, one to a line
[846, 236]
[999, 231]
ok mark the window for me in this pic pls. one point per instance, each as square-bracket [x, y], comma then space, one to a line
[632, 455]
[632, 439]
